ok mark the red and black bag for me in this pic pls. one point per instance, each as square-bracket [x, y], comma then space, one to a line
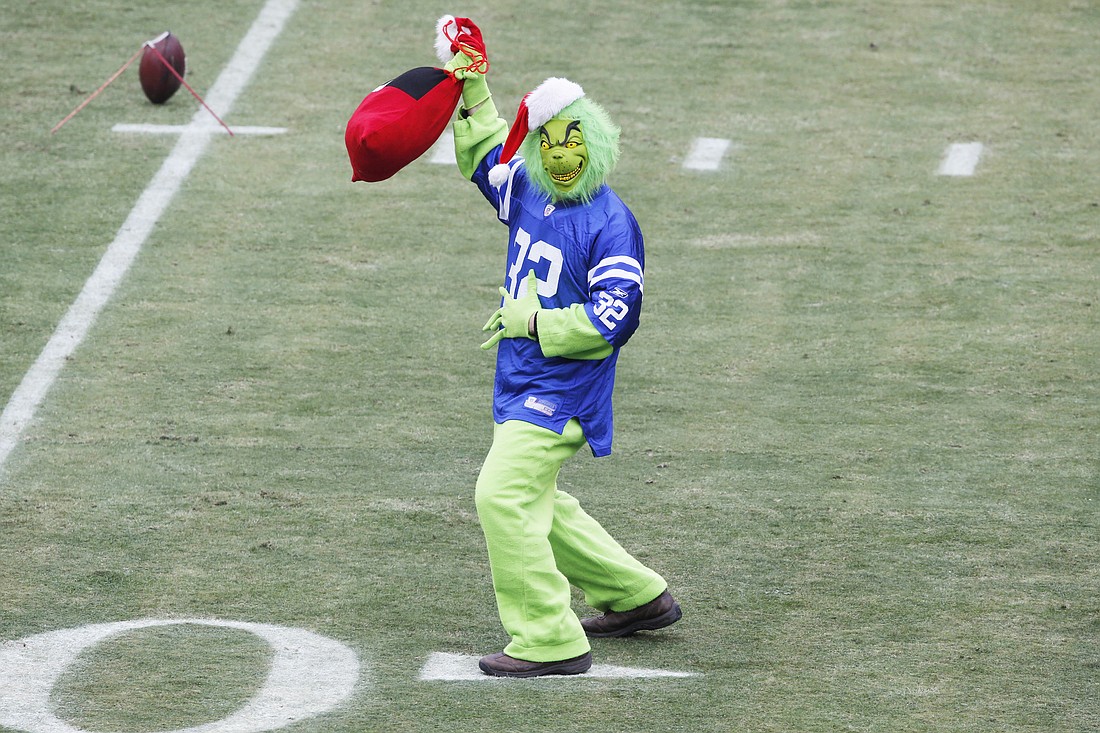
[397, 122]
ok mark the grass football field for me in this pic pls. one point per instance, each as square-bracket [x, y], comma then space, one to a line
[857, 429]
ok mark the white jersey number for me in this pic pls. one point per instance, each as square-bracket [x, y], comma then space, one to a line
[610, 310]
[534, 252]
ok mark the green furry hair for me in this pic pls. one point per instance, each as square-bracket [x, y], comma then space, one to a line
[601, 138]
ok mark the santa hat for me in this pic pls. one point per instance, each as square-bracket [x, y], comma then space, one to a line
[459, 34]
[537, 108]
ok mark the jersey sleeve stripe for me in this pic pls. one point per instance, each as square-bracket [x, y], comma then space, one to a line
[621, 260]
[616, 274]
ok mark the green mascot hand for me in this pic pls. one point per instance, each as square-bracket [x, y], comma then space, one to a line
[475, 90]
[511, 319]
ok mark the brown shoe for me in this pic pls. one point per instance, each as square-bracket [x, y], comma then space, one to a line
[502, 665]
[662, 611]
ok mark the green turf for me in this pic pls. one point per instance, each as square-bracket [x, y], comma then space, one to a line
[177, 670]
[857, 430]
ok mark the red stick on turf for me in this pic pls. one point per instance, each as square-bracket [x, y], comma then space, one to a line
[194, 94]
[95, 94]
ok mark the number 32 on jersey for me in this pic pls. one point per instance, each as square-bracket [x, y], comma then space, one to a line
[534, 252]
[610, 310]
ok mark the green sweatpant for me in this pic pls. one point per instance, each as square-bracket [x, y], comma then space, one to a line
[540, 540]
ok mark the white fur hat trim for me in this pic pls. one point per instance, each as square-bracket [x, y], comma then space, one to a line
[550, 98]
[442, 43]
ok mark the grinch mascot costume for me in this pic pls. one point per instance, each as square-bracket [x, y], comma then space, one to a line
[571, 298]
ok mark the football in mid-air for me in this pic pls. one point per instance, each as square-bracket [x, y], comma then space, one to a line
[157, 80]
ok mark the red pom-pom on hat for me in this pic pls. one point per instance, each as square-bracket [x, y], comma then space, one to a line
[537, 107]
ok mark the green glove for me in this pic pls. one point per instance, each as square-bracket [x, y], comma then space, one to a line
[475, 90]
[511, 319]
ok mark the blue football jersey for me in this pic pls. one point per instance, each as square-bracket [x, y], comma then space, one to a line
[588, 253]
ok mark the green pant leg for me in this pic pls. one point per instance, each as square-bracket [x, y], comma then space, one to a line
[515, 503]
[611, 578]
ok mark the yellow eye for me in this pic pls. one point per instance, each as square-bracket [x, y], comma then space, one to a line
[545, 145]
[572, 144]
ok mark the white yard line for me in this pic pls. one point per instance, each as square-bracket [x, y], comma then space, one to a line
[960, 159]
[706, 153]
[445, 667]
[76, 323]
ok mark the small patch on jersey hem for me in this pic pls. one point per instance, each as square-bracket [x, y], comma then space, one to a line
[546, 407]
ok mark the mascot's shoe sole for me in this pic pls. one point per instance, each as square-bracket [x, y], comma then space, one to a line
[502, 665]
[662, 611]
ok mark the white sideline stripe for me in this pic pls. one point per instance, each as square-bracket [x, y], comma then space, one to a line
[443, 152]
[459, 667]
[148, 129]
[706, 153]
[960, 159]
[116, 261]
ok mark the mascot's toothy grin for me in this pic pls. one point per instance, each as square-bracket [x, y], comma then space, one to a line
[566, 177]
[576, 149]
[564, 154]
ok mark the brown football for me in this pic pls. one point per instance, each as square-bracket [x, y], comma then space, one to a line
[157, 80]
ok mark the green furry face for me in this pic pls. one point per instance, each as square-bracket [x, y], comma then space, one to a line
[564, 154]
[566, 178]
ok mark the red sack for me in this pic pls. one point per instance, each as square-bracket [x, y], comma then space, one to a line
[397, 122]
